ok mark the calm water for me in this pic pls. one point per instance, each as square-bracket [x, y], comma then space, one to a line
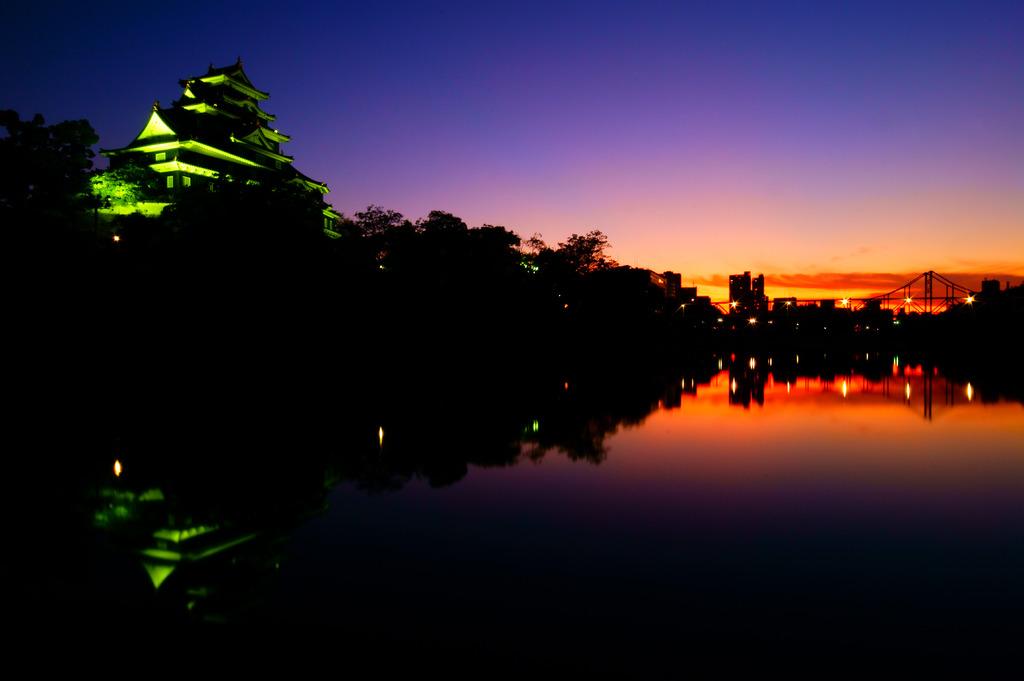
[724, 516]
[844, 516]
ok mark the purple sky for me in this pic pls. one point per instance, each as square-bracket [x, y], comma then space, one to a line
[708, 138]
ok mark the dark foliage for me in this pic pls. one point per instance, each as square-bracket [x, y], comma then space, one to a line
[44, 169]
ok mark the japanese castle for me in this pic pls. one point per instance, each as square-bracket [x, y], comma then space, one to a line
[215, 130]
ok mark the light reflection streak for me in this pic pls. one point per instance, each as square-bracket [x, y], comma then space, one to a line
[743, 386]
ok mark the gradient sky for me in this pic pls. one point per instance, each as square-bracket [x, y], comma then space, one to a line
[829, 145]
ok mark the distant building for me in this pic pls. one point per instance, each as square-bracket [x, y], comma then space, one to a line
[657, 280]
[783, 304]
[673, 282]
[746, 295]
[990, 287]
[739, 290]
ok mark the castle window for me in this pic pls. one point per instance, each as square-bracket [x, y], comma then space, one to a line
[170, 181]
[186, 181]
[162, 156]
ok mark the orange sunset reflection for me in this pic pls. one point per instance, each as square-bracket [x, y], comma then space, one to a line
[907, 432]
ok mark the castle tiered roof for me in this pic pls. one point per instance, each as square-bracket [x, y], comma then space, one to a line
[216, 129]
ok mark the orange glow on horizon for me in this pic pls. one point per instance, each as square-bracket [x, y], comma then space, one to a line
[814, 288]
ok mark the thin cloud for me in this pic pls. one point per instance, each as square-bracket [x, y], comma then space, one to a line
[863, 250]
[713, 280]
[839, 280]
[877, 282]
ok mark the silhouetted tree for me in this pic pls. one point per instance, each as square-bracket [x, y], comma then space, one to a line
[535, 244]
[44, 169]
[495, 244]
[230, 228]
[585, 254]
[376, 220]
[439, 221]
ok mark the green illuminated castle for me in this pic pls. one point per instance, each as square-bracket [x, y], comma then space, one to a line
[215, 131]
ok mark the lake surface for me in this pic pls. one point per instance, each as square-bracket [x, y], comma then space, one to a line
[753, 508]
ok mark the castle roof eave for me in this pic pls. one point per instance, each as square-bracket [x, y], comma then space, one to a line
[156, 126]
[188, 145]
[234, 83]
[261, 134]
[309, 182]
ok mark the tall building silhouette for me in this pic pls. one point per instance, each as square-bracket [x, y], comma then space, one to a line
[746, 295]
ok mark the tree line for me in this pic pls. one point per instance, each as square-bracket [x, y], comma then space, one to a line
[246, 263]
